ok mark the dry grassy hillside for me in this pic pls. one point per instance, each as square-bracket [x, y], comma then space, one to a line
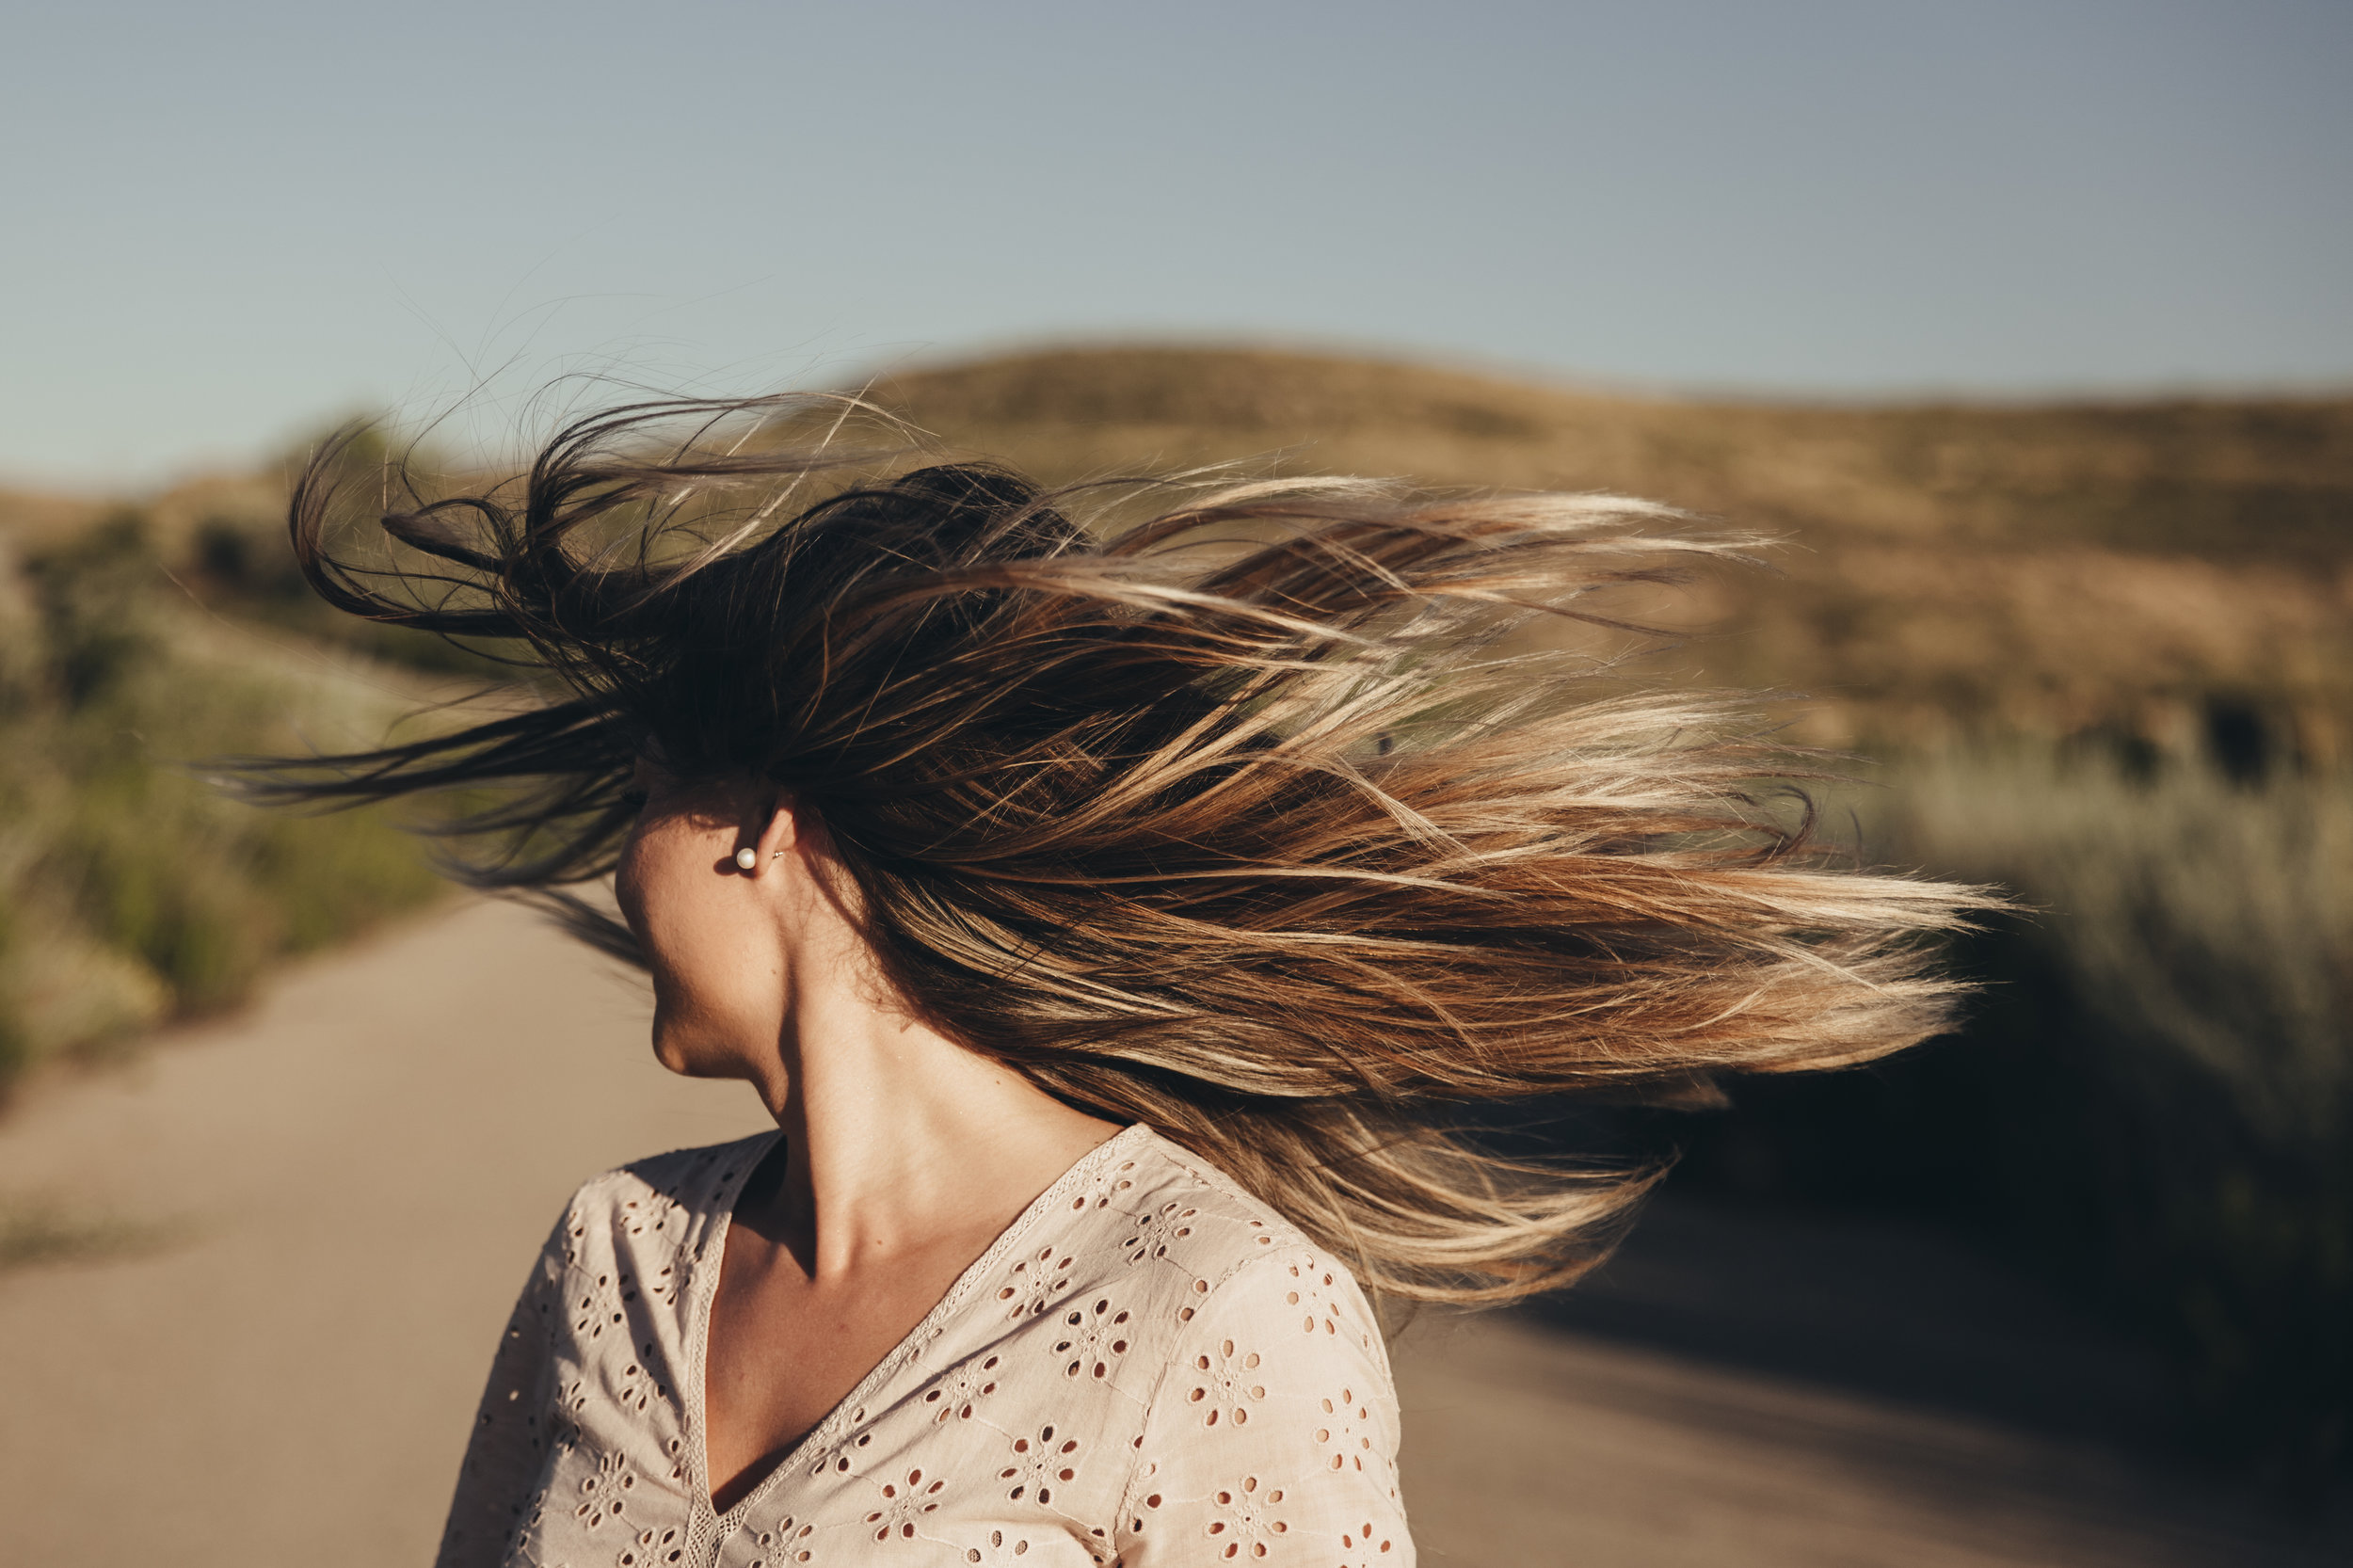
[2167, 573]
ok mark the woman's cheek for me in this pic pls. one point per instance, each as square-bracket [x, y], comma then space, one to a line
[653, 883]
[626, 888]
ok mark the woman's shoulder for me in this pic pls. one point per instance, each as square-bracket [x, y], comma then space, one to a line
[1182, 1208]
[676, 1176]
[670, 1195]
[1219, 1249]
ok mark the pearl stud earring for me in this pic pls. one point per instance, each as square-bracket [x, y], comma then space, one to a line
[746, 858]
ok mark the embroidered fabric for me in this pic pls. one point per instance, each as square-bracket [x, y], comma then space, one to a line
[1148, 1367]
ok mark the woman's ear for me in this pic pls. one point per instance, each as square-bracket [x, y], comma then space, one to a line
[778, 835]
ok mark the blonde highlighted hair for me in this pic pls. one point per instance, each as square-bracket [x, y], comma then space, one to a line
[1240, 818]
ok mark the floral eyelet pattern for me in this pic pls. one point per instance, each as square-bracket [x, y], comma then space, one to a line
[904, 1504]
[1225, 1384]
[1092, 1338]
[957, 1397]
[1040, 1463]
[1034, 1283]
[1246, 1519]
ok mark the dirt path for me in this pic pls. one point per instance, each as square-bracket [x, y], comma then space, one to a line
[371, 1157]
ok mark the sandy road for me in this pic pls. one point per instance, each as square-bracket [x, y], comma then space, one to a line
[370, 1156]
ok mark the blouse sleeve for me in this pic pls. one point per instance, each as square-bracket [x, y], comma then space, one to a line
[509, 1446]
[1273, 1436]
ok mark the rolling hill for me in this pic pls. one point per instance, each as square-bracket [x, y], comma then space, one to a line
[2171, 573]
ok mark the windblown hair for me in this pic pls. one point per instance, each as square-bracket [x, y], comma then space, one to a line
[1239, 819]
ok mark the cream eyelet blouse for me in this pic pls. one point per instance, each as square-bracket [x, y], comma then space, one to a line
[1148, 1367]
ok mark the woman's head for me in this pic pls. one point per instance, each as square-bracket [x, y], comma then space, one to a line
[1237, 817]
[732, 737]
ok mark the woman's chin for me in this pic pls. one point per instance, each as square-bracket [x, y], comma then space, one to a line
[691, 1053]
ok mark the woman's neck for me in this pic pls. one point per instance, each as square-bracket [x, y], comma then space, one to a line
[898, 1138]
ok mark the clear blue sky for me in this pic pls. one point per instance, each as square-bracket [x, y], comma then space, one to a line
[228, 220]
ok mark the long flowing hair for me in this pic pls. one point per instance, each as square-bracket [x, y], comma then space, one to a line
[1264, 813]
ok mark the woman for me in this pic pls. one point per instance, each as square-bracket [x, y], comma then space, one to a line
[1124, 927]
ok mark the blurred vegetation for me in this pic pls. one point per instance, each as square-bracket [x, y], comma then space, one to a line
[130, 890]
[2105, 650]
[2185, 993]
[48, 1232]
[218, 542]
[2152, 1103]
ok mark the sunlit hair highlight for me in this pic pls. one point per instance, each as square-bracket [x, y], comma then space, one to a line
[1263, 813]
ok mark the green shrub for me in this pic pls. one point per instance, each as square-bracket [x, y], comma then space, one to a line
[228, 548]
[136, 890]
[2151, 1101]
[2186, 988]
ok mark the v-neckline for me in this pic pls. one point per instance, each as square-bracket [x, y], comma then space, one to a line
[709, 1261]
